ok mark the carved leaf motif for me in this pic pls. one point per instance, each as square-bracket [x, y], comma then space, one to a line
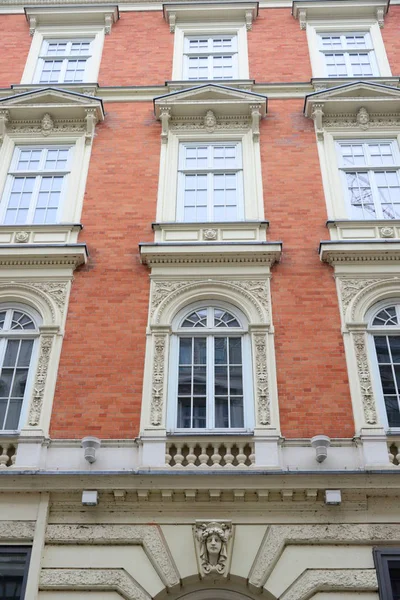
[364, 377]
[40, 380]
[262, 384]
[56, 290]
[158, 380]
[350, 287]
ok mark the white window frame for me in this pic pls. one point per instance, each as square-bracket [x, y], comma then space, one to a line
[209, 170]
[28, 334]
[334, 191]
[375, 374]
[253, 199]
[209, 29]
[44, 33]
[247, 370]
[347, 52]
[44, 57]
[13, 173]
[316, 28]
[343, 169]
[210, 53]
[72, 201]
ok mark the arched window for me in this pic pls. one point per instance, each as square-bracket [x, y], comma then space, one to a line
[18, 335]
[385, 329]
[211, 370]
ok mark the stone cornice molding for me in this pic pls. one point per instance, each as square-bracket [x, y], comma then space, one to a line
[311, 10]
[50, 112]
[210, 107]
[331, 580]
[43, 255]
[94, 580]
[148, 536]
[38, 16]
[185, 12]
[16, 531]
[335, 253]
[266, 253]
[277, 537]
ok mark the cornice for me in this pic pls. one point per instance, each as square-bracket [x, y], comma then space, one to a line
[231, 10]
[210, 253]
[339, 252]
[40, 255]
[311, 10]
[62, 12]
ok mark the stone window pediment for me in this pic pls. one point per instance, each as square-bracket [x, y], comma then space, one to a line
[210, 107]
[323, 10]
[176, 14]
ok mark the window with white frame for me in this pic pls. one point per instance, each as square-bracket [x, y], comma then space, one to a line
[63, 61]
[18, 337]
[370, 172]
[36, 184]
[384, 327]
[210, 57]
[211, 368]
[348, 54]
[210, 182]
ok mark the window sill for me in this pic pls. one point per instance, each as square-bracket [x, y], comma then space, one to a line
[323, 83]
[217, 232]
[40, 234]
[364, 230]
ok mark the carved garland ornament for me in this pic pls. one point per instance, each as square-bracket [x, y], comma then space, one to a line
[262, 385]
[213, 542]
[157, 392]
[46, 344]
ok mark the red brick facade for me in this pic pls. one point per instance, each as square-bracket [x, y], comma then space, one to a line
[99, 386]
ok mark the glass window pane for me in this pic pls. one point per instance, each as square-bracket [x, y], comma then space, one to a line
[185, 381]
[235, 351]
[221, 380]
[185, 351]
[199, 351]
[392, 410]
[14, 411]
[184, 420]
[199, 381]
[387, 379]
[220, 350]
[221, 412]
[199, 413]
[235, 381]
[237, 417]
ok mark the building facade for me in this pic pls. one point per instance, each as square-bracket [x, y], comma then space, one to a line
[200, 300]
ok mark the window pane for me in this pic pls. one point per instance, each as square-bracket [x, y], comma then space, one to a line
[185, 381]
[185, 351]
[235, 351]
[235, 381]
[199, 351]
[184, 413]
[387, 379]
[387, 316]
[394, 342]
[221, 412]
[382, 350]
[199, 413]
[221, 380]
[392, 410]
[220, 348]
[237, 419]
[14, 411]
[199, 381]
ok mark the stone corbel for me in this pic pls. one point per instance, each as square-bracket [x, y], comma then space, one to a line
[32, 25]
[172, 22]
[249, 20]
[165, 115]
[91, 120]
[108, 21]
[302, 19]
[3, 123]
[317, 115]
[255, 121]
[380, 17]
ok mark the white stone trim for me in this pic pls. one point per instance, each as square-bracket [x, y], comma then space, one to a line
[346, 26]
[331, 580]
[17, 531]
[306, 11]
[210, 28]
[148, 536]
[95, 33]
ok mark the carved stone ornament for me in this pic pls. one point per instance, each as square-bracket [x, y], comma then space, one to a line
[46, 344]
[317, 116]
[4, 116]
[157, 392]
[47, 124]
[210, 234]
[256, 291]
[364, 376]
[380, 17]
[386, 232]
[56, 290]
[363, 119]
[302, 19]
[349, 288]
[210, 121]
[165, 116]
[21, 237]
[117, 580]
[213, 542]
[262, 384]
[240, 122]
[249, 20]
[331, 580]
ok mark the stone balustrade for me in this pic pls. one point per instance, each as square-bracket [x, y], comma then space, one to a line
[8, 453]
[215, 453]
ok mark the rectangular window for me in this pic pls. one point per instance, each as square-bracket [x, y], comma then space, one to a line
[387, 564]
[210, 368]
[14, 564]
[210, 57]
[348, 55]
[63, 61]
[370, 172]
[35, 185]
[210, 186]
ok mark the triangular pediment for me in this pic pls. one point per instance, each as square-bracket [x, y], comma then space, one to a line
[350, 97]
[221, 99]
[61, 103]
